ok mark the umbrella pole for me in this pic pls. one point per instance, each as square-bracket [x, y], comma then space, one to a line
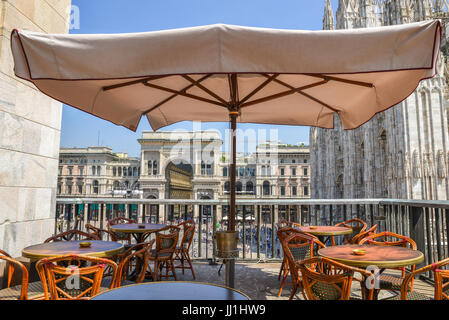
[230, 263]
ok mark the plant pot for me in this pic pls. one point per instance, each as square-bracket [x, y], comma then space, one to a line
[227, 244]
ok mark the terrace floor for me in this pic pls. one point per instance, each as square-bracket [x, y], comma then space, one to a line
[260, 280]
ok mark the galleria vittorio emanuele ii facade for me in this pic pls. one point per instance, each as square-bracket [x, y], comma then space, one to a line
[402, 153]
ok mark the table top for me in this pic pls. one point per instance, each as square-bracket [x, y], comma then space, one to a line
[380, 256]
[134, 227]
[100, 249]
[326, 230]
[172, 290]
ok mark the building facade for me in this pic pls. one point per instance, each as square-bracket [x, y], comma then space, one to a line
[96, 172]
[192, 165]
[401, 153]
[29, 134]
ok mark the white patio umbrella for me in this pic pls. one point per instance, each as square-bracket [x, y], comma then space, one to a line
[224, 72]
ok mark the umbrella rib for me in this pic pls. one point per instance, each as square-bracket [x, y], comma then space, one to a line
[308, 95]
[354, 82]
[260, 87]
[282, 94]
[130, 83]
[175, 95]
[199, 85]
[183, 93]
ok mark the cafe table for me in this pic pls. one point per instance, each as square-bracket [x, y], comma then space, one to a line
[325, 231]
[172, 290]
[99, 249]
[375, 256]
[137, 229]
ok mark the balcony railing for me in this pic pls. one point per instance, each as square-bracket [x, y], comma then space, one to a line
[426, 222]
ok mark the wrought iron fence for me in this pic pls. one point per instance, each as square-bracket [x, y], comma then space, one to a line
[426, 222]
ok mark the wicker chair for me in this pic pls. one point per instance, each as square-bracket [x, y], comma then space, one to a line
[284, 224]
[325, 279]
[132, 266]
[162, 255]
[441, 283]
[298, 247]
[357, 238]
[182, 251]
[358, 226]
[72, 235]
[387, 238]
[68, 277]
[282, 234]
[23, 291]
[100, 232]
[120, 236]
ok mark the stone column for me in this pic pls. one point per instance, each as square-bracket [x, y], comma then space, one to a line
[29, 134]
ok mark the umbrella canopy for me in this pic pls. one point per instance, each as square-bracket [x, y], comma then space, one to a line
[267, 75]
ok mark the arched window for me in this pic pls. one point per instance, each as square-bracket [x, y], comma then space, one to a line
[135, 171]
[119, 171]
[95, 187]
[125, 172]
[155, 168]
[130, 172]
[266, 188]
[238, 186]
[249, 186]
[203, 168]
[98, 171]
[227, 186]
[114, 171]
[150, 167]
[94, 169]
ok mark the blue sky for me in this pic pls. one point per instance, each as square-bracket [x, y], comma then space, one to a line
[80, 129]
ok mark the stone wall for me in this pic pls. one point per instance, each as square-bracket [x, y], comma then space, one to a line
[30, 125]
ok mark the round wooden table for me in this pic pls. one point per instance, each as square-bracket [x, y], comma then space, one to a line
[326, 231]
[376, 255]
[172, 290]
[137, 229]
[379, 256]
[100, 249]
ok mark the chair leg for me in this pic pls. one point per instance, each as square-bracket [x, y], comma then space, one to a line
[282, 268]
[284, 277]
[173, 270]
[294, 289]
[190, 264]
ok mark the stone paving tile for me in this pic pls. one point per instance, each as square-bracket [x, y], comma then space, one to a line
[260, 281]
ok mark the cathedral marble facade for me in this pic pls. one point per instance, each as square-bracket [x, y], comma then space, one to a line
[401, 153]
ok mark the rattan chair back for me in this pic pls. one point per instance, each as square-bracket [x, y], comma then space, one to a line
[388, 238]
[441, 280]
[325, 279]
[357, 225]
[120, 236]
[71, 235]
[357, 238]
[99, 232]
[128, 261]
[73, 277]
[11, 265]
[284, 224]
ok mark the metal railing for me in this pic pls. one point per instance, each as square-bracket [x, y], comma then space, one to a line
[426, 222]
